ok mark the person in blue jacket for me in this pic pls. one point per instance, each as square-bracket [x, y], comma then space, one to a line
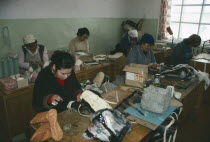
[129, 41]
[143, 54]
[182, 52]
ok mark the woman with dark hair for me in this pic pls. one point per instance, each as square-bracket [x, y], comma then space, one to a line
[56, 85]
[80, 43]
[182, 52]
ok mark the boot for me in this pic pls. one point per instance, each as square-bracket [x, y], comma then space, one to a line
[50, 118]
[56, 131]
[40, 117]
[42, 134]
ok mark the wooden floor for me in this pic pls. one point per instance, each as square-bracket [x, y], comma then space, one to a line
[196, 129]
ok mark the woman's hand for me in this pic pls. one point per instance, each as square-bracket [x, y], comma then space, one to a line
[56, 99]
[78, 96]
[154, 65]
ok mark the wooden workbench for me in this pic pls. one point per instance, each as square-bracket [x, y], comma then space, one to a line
[204, 66]
[190, 99]
[16, 105]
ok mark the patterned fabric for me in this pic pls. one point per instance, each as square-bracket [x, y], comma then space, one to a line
[8, 83]
[164, 22]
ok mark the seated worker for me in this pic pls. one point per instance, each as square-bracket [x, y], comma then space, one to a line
[182, 52]
[143, 54]
[80, 43]
[32, 53]
[56, 85]
[129, 40]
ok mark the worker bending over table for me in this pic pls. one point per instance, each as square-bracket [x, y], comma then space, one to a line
[80, 43]
[143, 54]
[56, 85]
[182, 52]
[32, 53]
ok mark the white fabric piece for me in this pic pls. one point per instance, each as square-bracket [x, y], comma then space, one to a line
[94, 101]
[100, 57]
[116, 55]
[133, 33]
[29, 38]
[202, 56]
[201, 75]
[70, 104]
[46, 64]
[78, 62]
[99, 79]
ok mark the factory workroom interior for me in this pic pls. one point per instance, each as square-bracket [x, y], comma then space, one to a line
[105, 71]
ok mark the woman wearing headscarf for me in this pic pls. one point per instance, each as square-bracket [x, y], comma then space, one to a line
[56, 85]
[32, 53]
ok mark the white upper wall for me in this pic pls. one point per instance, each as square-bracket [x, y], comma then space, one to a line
[29, 9]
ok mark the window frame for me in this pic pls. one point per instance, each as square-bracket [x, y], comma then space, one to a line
[181, 13]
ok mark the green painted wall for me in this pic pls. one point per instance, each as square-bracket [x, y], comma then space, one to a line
[56, 33]
[151, 26]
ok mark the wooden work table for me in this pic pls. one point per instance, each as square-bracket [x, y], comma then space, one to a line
[16, 105]
[190, 99]
[204, 66]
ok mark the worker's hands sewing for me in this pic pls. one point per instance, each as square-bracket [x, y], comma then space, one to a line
[56, 99]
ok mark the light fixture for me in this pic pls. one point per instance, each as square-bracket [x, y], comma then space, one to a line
[168, 29]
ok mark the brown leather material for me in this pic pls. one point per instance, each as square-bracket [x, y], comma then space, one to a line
[42, 134]
[40, 117]
[56, 131]
[49, 126]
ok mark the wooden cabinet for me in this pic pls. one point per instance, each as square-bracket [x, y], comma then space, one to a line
[191, 99]
[16, 111]
[204, 66]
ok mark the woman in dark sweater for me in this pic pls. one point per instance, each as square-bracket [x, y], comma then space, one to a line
[56, 85]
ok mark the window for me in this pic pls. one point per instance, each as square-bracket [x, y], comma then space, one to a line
[190, 17]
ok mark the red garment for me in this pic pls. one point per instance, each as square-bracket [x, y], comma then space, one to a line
[60, 81]
[49, 99]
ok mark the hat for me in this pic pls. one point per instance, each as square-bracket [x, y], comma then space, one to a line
[133, 33]
[29, 38]
[148, 38]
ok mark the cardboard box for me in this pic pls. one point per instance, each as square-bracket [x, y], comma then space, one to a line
[136, 75]
[22, 82]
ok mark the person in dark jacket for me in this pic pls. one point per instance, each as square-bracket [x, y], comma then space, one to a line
[128, 41]
[182, 52]
[56, 85]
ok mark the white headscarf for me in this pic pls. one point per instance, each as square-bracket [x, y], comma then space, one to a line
[29, 38]
[133, 33]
